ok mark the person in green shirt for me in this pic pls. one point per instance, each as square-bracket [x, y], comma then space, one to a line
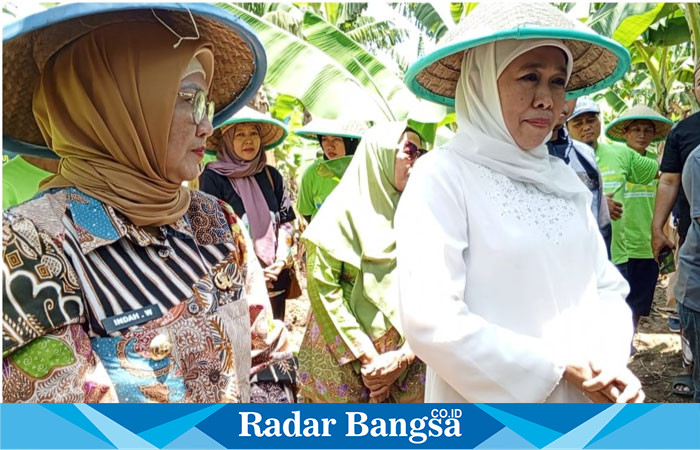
[338, 140]
[353, 348]
[21, 177]
[638, 127]
[618, 165]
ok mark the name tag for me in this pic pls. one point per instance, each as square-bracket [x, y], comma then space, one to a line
[131, 318]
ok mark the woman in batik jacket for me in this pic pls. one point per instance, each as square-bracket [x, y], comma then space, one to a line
[120, 284]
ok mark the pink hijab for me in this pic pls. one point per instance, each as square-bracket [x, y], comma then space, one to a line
[241, 175]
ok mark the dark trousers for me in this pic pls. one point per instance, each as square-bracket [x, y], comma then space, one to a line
[690, 326]
[279, 293]
[642, 275]
[622, 268]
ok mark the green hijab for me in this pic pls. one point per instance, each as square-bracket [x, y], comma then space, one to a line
[333, 168]
[356, 223]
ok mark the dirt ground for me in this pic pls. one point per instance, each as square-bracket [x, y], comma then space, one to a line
[658, 356]
[656, 361]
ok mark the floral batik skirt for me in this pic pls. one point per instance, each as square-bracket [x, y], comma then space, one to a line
[322, 380]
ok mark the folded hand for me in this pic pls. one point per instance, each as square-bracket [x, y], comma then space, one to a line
[622, 384]
[383, 370]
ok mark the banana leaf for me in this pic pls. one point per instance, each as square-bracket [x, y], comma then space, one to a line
[331, 74]
[299, 69]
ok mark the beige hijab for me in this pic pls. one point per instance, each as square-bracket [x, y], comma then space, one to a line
[104, 104]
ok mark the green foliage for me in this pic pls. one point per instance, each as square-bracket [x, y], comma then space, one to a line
[565, 6]
[673, 32]
[633, 26]
[377, 35]
[370, 72]
[258, 8]
[459, 10]
[692, 16]
[295, 151]
[607, 18]
[424, 17]
[658, 38]
[285, 20]
[328, 80]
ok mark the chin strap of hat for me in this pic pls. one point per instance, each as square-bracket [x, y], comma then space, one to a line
[180, 38]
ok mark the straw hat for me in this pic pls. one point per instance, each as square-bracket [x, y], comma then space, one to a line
[617, 128]
[240, 61]
[598, 60]
[272, 131]
[326, 127]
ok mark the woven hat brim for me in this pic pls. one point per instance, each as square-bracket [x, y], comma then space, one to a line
[314, 134]
[434, 77]
[273, 132]
[240, 60]
[353, 129]
[616, 129]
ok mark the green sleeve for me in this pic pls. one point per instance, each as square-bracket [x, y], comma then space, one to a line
[642, 170]
[305, 201]
[339, 326]
[9, 195]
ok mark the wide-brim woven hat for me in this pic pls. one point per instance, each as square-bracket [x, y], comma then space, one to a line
[239, 67]
[333, 127]
[272, 131]
[617, 128]
[598, 60]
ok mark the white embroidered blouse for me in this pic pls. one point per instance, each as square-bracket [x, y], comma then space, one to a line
[502, 285]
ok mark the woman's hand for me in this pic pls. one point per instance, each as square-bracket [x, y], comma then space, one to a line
[384, 369]
[624, 384]
[605, 386]
[579, 374]
[272, 272]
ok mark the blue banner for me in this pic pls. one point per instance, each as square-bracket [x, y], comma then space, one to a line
[445, 426]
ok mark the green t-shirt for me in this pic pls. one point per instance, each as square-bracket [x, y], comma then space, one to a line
[620, 165]
[20, 181]
[318, 182]
[639, 210]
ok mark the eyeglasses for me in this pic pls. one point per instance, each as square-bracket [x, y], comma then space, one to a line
[201, 107]
[413, 151]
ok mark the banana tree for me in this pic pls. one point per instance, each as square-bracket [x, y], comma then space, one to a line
[659, 40]
[692, 16]
[329, 72]
[324, 86]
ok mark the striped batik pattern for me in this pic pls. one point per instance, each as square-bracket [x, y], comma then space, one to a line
[124, 276]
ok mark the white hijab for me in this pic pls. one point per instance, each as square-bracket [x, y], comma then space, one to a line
[483, 137]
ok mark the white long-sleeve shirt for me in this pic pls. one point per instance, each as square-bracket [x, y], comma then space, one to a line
[502, 285]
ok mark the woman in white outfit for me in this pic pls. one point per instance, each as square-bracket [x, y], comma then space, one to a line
[507, 294]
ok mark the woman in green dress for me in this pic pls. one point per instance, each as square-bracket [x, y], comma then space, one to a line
[338, 140]
[353, 348]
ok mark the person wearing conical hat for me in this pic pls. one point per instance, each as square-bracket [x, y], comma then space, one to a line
[118, 278]
[618, 164]
[505, 288]
[354, 349]
[338, 140]
[638, 127]
[257, 193]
